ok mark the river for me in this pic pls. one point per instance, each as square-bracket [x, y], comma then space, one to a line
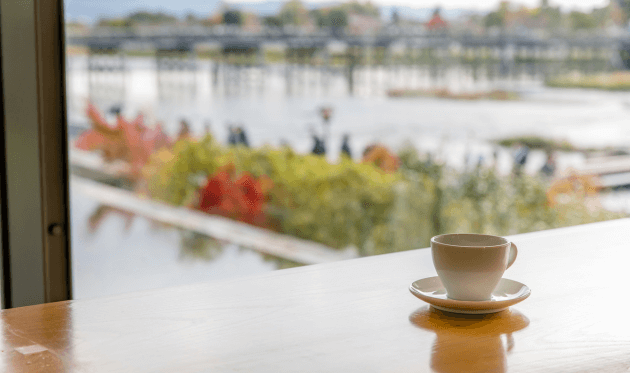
[279, 103]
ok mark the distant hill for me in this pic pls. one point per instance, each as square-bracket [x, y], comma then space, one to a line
[91, 10]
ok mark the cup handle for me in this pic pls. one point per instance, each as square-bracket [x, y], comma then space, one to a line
[513, 253]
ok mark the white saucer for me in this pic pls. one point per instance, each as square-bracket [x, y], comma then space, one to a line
[507, 293]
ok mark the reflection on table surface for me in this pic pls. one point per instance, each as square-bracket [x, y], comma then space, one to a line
[469, 343]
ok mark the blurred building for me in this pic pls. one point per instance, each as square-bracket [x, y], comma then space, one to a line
[436, 23]
[359, 24]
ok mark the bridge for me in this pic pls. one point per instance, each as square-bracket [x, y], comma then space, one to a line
[233, 39]
[175, 49]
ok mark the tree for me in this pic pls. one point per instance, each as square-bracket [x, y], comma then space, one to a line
[152, 18]
[272, 21]
[625, 7]
[293, 13]
[136, 18]
[338, 18]
[395, 17]
[114, 22]
[552, 16]
[497, 18]
[233, 17]
[191, 19]
[493, 19]
[321, 19]
[581, 21]
[366, 9]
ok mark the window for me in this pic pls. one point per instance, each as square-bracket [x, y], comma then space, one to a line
[207, 142]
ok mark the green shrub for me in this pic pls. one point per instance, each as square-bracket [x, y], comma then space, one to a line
[357, 204]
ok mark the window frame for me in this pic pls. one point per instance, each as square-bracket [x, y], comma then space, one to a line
[35, 215]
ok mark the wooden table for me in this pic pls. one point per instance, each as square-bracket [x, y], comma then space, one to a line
[350, 316]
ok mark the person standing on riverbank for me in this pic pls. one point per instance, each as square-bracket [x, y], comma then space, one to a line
[184, 130]
[116, 110]
[345, 146]
[549, 168]
[232, 138]
[319, 146]
[237, 135]
[520, 158]
[241, 137]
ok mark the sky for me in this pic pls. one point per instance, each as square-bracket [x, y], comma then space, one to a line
[474, 4]
[90, 10]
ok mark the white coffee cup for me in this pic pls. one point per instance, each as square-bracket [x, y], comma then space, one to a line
[470, 266]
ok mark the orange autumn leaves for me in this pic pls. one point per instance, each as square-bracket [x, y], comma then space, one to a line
[382, 158]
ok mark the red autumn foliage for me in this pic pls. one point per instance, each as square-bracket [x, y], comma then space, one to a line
[242, 199]
[131, 142]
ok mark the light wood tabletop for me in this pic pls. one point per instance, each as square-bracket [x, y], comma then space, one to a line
[351, 316]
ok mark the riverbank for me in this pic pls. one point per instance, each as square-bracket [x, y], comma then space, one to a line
[538, 142]
[615, 81]
[499, 95]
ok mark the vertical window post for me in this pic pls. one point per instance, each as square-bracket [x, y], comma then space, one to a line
[36, 260]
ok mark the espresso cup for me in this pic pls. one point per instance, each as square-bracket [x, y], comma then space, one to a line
[470, 266]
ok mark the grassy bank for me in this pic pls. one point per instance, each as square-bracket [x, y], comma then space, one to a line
[499, 95]
[616, 81]
[537, 142]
